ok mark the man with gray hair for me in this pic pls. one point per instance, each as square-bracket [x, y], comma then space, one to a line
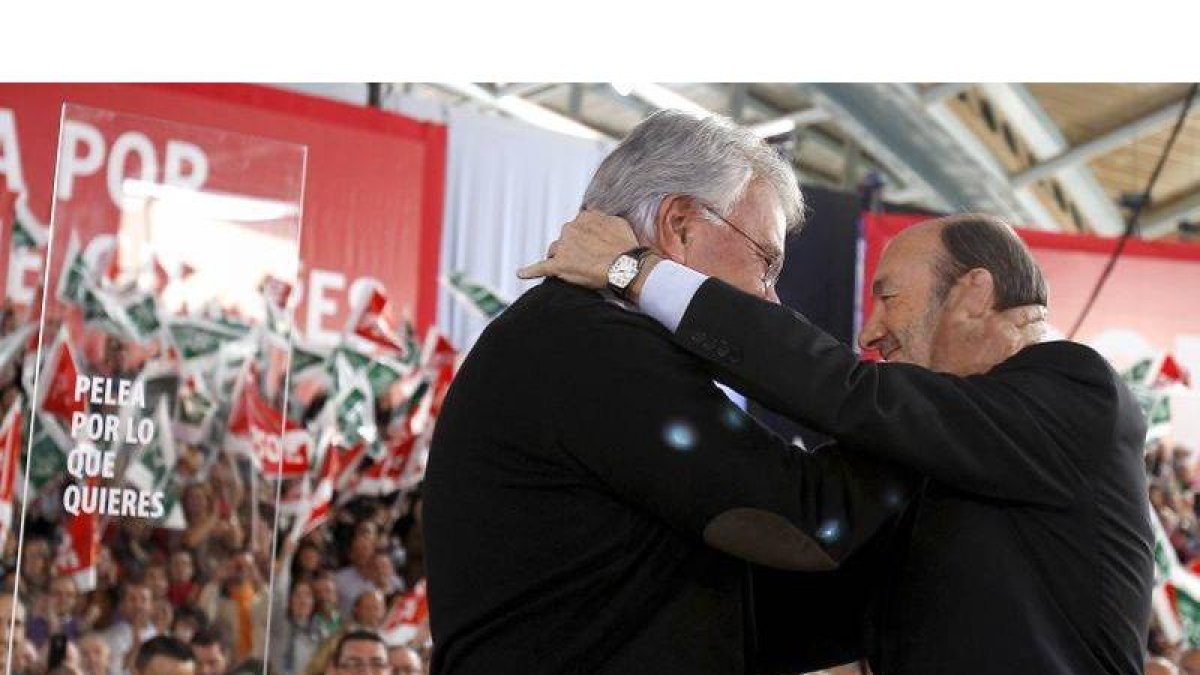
[593, 501]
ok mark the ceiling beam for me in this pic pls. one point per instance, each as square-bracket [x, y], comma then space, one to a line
[1045, 139]
[523, 109]
[1099, 145]
[524, 88]
[973, 146]
[893, 125]
[790, 122]
[940, 92]
[1164, 220]
[666, 99]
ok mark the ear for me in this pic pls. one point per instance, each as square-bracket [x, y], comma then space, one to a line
[977, 292]
[671, 227]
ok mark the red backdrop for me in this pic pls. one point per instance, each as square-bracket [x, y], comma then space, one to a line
[1152, 290]
[374, 184]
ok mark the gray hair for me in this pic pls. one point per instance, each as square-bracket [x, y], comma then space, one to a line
[977, 240]
[708, 158]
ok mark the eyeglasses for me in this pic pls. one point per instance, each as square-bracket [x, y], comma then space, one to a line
[773, 262]
[379, 667]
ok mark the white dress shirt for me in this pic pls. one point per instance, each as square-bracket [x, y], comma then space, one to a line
[668, 291]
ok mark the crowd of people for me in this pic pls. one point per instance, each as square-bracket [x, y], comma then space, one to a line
[1174, 482]
[229, 590]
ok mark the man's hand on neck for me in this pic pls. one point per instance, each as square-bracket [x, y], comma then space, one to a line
[1008, 332]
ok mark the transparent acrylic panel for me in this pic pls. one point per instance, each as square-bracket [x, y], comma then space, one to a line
[152, 441]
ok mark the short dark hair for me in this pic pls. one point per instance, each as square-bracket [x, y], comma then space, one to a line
[355, 635]
[974, 241]
[206, 637]
[162, 645]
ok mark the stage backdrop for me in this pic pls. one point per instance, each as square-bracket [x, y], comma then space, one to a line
[374, 185]
[1148, 305]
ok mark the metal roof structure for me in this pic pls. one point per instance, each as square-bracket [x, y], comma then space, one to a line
[1060, 157]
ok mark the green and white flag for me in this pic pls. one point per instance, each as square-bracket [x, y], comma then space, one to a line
[28, 236]
[47, 456]
[153, 467]
[381, 371]
[199, 340]
[483, 300]
[196, 411]
[75, 275]
[141, 314]
[352, 410]
[14, 343]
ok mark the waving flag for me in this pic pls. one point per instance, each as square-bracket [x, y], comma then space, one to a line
[407, 616]
[57, 386]
[276, 450]
[368, 321]
[319, 502]
[76, 556]
[10, 452]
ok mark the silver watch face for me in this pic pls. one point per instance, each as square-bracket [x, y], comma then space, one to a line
[623, 271]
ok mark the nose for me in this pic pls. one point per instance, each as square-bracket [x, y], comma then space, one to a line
[872, 331]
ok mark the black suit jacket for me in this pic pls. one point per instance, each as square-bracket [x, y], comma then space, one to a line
[1029, 549]
[578, 460]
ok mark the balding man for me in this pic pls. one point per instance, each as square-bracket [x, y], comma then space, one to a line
[1028, 548]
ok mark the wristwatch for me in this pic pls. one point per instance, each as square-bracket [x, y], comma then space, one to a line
[624, 270]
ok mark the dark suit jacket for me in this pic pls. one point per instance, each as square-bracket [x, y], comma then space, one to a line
[577, 462]
[1029, 550]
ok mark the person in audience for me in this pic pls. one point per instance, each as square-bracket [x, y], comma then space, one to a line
[369, 610]
[355, 578]
[212, 656]
[133, 627]
[164, 655]
[328, 613]
[94, 655]
[358, 652]
[405, 661]
[59, 613]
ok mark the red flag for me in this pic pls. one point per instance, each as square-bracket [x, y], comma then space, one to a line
[1170, 372]
[112, 271]
[439, 360]
[8, 217]
[387, 474]
[58, 376]
[161, 278]
[368, 320]
[76, 556]
[407, 616]
[10, 452]
[276, 450]
[348, 462]
[320, 501]
[277, 291]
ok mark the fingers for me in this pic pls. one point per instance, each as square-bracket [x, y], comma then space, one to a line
[542, 268]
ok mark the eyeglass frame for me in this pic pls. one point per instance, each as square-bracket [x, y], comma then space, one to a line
[774, 263]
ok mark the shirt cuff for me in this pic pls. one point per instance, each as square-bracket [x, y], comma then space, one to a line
[668, 291]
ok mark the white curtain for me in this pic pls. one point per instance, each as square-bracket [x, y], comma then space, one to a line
[509, 188]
